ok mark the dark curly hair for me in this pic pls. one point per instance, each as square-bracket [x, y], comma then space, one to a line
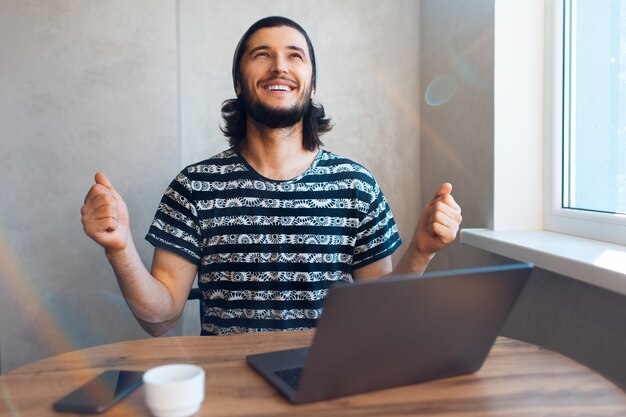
[234, 110]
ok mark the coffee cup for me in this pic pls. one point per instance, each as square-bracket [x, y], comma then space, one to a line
[175, 390]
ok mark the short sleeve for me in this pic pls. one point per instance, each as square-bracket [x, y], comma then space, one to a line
[176, 227]
[377, 235]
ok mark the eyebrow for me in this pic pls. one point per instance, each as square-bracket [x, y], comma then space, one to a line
[264, 47]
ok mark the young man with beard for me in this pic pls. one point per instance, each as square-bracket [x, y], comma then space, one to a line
[269, 224]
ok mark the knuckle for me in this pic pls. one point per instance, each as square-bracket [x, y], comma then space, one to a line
[87, 228]
[108, 211]
[439, 217]
[439, 206]
[106, 198]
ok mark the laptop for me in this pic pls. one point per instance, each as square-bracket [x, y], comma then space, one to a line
[397, 331]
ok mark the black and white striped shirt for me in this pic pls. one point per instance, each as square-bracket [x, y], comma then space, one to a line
[267, 251]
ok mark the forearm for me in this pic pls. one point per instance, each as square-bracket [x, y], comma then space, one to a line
[436, 228]
[413, 262]
[148, 298]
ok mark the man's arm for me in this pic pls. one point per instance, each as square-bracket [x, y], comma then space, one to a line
[437, 227]
[374, 270]
[156, 298]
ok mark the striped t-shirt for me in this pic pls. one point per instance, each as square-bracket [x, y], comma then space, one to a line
[267, 251]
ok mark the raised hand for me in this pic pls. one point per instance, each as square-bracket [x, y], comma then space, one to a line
[105, 215]
[438, 223]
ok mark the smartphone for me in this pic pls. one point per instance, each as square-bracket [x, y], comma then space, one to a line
[101, 392]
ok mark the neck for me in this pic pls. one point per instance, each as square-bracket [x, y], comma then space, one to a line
[278, 154]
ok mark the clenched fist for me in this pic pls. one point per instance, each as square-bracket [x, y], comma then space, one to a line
[439, 222]
[105, 215]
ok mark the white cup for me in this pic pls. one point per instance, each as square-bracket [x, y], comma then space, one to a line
[174, 390]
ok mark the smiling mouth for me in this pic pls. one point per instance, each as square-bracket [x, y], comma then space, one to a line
[278, 88]
[279, 84]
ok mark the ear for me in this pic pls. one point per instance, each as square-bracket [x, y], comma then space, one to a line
[237, 88]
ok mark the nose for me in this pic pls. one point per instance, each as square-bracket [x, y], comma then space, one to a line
[280, 64]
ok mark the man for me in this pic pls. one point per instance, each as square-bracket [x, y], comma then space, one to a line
[270, 223]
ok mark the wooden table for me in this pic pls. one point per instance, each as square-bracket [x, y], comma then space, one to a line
[518, 379]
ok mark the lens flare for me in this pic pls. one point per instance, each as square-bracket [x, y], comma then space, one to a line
[427, 132]
[441, 90]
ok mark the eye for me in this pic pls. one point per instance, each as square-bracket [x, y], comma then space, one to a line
[297, 55]
[261, 55]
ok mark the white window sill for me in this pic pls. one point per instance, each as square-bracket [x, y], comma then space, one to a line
[597, 263]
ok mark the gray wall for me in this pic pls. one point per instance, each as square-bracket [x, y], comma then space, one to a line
[86, 86]
[456, 39]
[584, 322]
[134, 89]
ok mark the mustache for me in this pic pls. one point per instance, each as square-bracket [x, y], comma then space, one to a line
[279, 77]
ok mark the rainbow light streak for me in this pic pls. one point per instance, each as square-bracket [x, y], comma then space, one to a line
[21, 289]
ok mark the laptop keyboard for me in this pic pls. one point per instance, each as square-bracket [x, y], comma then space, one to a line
[290, 376]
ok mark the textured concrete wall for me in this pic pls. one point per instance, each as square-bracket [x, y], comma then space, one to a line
[86, 86]
[134, 89]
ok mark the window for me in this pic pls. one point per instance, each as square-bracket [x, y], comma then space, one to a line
[532, 116]
[587, 193]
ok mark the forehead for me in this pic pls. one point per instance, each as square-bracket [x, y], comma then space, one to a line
[277, 37]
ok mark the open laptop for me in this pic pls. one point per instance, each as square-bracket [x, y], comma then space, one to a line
[397, 331]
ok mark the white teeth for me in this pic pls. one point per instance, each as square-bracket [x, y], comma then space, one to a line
[278, 88]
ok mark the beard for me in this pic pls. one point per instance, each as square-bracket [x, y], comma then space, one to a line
[271, 117]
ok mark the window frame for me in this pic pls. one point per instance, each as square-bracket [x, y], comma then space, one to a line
[594, 225]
